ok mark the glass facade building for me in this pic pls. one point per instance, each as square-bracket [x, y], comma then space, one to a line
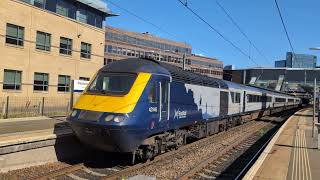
[301, 60]
[143, 42]
[92, 12]
[297, 61]
[280, 63]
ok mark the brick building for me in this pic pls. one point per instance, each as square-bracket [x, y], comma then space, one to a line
[122, 44]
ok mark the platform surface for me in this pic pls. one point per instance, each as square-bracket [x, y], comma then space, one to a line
[292, 153]
[22, 130]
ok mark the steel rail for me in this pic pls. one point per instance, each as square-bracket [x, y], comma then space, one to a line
[214, 157]
[60, 172]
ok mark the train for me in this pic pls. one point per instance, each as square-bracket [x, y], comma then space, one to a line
[146, 107]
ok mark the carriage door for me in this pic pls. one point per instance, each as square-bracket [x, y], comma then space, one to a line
[224, 102]
[164, 102]
[244, 102]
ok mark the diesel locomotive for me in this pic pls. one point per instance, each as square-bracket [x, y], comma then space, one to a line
[147, 107]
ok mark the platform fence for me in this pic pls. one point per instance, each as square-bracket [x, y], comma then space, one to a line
[16, 107]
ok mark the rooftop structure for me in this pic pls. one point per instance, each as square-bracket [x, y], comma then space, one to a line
[290, 80]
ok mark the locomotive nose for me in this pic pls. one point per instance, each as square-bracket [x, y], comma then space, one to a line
[97, 117]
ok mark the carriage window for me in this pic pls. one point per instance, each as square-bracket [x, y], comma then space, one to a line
[269, 98]
[152, 98]
[254, 98]
[232, 97]
[237, 97]
[280, 99]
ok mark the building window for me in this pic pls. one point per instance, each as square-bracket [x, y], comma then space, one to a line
[41, 81]
[63, 83]
[61, 9]
[43, 41]
[27, 1]
[12, 79]
[15, 35]
[51, 5]
[82, 15]
[40, 3]
[66, 8]
[84, 78]
[65, 46]
[85, 50]
[109, 49]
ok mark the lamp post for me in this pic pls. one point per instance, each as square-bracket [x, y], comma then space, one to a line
[314, 104]
[315, 48]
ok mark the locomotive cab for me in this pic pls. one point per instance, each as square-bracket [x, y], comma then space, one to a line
[119, 109]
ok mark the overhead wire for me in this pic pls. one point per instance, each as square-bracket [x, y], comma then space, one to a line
[170, 34]
[161, 29]
[217, 31]
[222, 36]
[241, 31]
[142, 19]
[284, 26]
[245, 35]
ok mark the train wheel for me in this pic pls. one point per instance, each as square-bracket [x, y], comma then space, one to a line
[148, 153]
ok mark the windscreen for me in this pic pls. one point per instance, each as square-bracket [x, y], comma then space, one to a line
[112, 83]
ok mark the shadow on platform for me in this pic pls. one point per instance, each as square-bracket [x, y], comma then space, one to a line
[71, 151]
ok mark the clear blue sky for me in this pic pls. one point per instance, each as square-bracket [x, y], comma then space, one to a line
[258, 19]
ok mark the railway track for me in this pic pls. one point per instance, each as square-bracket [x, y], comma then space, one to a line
[204, 159]
[235, 160]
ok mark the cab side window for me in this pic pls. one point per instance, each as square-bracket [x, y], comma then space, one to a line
[164, 89]
[152, 96]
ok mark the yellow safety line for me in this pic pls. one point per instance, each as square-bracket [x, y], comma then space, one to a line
[301, 163]
[308, 165]
[294, 156]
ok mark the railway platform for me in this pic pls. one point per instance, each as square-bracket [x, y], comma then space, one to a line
[21, 130]
[32, 141]
[292, 153]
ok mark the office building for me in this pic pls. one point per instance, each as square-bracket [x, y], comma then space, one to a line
[280, 63]
[46, 43]
[122, 44]
[229, 67]
[301, 60]
[297, 61]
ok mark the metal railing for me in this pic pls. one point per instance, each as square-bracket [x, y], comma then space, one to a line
[14, 107]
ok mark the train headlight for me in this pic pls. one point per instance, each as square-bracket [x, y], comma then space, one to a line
[118, 119]
[74, 113]
[108, 118]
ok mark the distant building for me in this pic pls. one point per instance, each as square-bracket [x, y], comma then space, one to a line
[301, 60]
[298, 61]
[120, 44]
[280, 63]
[229, 67]
[290, 80]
